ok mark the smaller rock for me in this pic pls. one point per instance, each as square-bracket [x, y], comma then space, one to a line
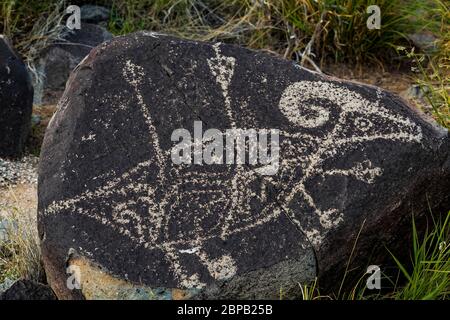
[5, 285]
[35, 119]
[28, 290]
[94, 14]
[63, 56]
[425, 41]
[415, 92]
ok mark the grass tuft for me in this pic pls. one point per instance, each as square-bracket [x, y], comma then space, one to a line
[428, 276]
[19, 251]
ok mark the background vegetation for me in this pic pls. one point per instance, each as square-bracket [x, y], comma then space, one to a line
[313, 33]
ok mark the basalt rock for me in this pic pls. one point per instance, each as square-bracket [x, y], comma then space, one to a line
[129, 222]
[28, 290]
[62, 57]
[16, 101]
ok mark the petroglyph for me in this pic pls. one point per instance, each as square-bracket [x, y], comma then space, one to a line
[297, 104]
[222, 68]
[192, 209]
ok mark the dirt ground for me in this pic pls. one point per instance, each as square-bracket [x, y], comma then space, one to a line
[396, 81]
[20, 198]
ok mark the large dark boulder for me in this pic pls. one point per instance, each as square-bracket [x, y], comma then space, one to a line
[16, 101]
[131, 223]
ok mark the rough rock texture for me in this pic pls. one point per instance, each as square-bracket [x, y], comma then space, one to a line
[353, 158]
[28, 290]
[16, 99]
[63, 56]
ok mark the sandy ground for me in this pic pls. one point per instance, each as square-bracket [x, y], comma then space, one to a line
[21, 194]
[21, 198]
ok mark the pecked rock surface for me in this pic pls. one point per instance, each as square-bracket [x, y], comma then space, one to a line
[115, 208]
[16, 101]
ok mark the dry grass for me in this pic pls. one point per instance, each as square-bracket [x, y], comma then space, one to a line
[327, 29]
[20, 252]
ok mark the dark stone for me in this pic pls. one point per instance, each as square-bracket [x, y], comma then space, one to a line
[94, 14]
[16, 101]
[63, 56]
[28, 290]
[353, 158]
